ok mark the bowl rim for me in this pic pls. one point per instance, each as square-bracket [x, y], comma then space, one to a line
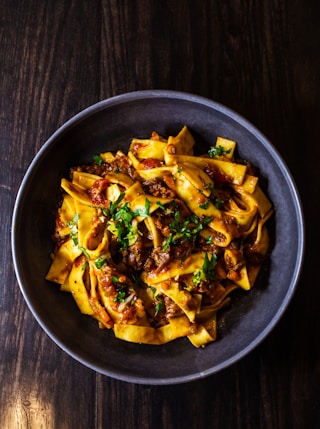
[226, 111]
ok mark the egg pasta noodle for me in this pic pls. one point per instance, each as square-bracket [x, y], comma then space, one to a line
[152, 243]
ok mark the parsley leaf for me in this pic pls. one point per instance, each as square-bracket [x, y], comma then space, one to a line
[209, 265]
[205, 205]
[209, 239]
[169, 240]
[97, 159]
[144, 212]
[161, 206]
[72, 224]
[184, 229]
[218, 202]
[122, 223]
[121, 295]
[84, 251]
[124, 214]
[196, 279]
[113, 206]
[216, 151]
[132, 233]
[99, 262]
[159, 307]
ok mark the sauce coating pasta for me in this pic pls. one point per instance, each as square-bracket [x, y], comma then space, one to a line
[152, 243]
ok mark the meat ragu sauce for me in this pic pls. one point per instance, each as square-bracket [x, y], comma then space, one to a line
[152, 243]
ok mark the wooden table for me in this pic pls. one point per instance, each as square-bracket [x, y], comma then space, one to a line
[261, 58]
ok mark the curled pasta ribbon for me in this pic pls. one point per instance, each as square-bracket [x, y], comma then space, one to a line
[176, 328]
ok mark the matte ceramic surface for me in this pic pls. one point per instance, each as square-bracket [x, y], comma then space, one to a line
[107, 126]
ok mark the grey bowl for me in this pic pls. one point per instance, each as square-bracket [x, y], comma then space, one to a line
[109, 125]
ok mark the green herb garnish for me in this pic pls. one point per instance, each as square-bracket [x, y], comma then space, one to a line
[205, 205]
[98, 160]
[216, 151]
[113, 206]
[187, 229]
[84, 251]
[72, 224]
[209, 265]
[122, 223]
[99, 263]
[161, 206]
[218, 203]
[159, 307]
[144, 212]
[121, 295]
[84, 266]
[196, 279]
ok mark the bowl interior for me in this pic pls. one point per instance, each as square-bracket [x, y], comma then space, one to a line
[109, 126]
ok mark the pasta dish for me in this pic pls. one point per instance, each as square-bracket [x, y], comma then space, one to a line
[151, 243]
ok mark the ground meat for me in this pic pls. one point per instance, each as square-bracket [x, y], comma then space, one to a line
[215, 174]
[158, 188]
[97, 193]
[98, 170]
[136, 255]
[183, 249]
[121, 164]
[150, 163]
[172, 309]
[238, 254]
[158, 259]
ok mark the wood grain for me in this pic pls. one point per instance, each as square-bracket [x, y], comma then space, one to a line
[259, 58]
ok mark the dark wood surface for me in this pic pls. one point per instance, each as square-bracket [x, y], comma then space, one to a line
[261, 58]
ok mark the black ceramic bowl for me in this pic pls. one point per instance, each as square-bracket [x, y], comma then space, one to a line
[109, 125]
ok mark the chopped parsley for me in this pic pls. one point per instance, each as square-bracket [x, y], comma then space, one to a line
[133, 233]
[159, 307]
[84, 266]
[205, 205]
[121, 295]
[207, 270]
[161, 206]
[209, 239]
[144, 212]
[219, 202]
[113, 206]
[99, 262]
[104, 211]
[84, 251]
[121, 289]
[123, 214]
[187, 229]
[209, 265]
[97, 159]
[73, 226]
[216, 151]
[169, 240]
[122, 223]
[196, 279]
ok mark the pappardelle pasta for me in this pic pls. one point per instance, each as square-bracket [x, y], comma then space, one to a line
[152, 243]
